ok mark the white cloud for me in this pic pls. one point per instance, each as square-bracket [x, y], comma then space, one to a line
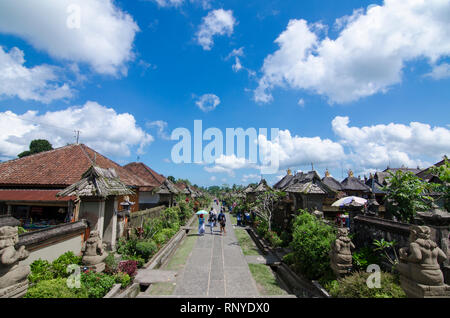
[169, 3]
[440, 71]
[301, 102]
[217, 22]
[100, 127]
[213, 178]
[208, 102]
[377, 146]
[366, 58]
[39, 83]
[250, 177]
[104, 39]
[161, 127]
[227, 164]
[296, 151]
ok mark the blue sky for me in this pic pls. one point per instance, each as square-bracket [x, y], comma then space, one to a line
[352, 84]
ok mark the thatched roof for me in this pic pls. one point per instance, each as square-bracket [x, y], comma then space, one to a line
[261, 187]
[249, 189]
[97, 182]
[354, 184]
[308, 183]
[167, 187]
[283, 182]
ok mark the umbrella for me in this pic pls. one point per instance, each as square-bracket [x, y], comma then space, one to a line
[202, 212]
[350, 201]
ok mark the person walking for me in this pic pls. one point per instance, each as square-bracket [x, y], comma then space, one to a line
[222, 221]
[211, 219]
[201, 224]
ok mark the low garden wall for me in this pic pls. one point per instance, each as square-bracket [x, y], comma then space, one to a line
[367, 229]
[137, 219]
[49, 244]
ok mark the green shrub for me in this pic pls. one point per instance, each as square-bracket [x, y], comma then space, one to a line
[97, 284]
[41, 270]
[170, 218]
[311, 243]
[146, 249]
[60, 264]
[55, 288]
[111, 264]
[289, 259]
[364, 257]
[140, 261]
[355, 286]
[123, 279]
[286, 237]
[273, 238]
[127, 247]
[261, 227]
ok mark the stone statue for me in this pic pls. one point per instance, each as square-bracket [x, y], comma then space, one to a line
[420, 273]
[318, 214]
[340, 254]
[13, 277]
[94, 252]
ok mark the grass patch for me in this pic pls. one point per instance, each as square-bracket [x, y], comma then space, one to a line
[265, 280]
[245, 241]
[233, 219]
[177, 261]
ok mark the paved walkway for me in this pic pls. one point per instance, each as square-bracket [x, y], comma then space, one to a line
[216, 267]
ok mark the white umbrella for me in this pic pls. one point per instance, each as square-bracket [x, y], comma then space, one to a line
[352, 200]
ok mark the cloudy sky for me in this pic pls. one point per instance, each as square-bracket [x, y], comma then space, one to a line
[350, 84]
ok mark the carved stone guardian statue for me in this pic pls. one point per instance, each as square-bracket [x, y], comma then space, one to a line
[13, 277]
[420, 273]
[94, 252]
[340, 254]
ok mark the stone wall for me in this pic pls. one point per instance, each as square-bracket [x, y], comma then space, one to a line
[137, 218]
[49, 244]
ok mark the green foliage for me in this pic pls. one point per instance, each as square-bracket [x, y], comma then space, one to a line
[364, 257]
[384, 246]
[146, 249]
[55, 288]
[170, 218]
[443, 173]
[36, 146]
[123, 279]
[140, 261]
[273, 238]
[111, 264]
[311, 243]
[355, 286]
[40, 270]
[60, 264]
[97, 284]
[21, 230]
[406, 194]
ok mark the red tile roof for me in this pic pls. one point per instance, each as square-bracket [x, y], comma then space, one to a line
[60, 167]
[32, 195]
[144, 172]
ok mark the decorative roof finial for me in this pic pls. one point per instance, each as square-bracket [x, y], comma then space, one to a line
[350, 173]
[289, 172]
[327, 173]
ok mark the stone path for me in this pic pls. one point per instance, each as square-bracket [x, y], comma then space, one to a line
[216, 267]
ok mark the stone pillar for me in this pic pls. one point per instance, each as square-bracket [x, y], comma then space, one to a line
[13, 277]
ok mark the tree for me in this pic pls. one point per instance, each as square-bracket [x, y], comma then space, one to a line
[172, 179]
[36, 146]
[406, 194]
[443, 173]
[265, 205]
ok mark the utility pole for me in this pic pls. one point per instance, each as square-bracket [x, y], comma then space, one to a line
[77, 136]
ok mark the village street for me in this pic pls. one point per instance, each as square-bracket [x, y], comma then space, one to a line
[216, 267]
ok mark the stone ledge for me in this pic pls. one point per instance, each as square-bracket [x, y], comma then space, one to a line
[414, 290]
[38, 237]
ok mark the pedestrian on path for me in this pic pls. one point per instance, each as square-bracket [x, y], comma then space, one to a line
[211, 219]
[201, 224]
[222, 221]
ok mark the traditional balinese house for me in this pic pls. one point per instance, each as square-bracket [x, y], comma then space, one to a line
[261, 187]
[429, 177]
[148, 194]
[284, 181]
[308, 191]
[28, 185]
[167, 192]
[353, 186]
[338, 193]
[97, 196]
